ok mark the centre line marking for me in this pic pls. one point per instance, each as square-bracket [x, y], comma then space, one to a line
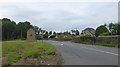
[101, 51]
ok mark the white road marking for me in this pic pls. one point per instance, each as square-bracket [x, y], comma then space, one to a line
[101, 51]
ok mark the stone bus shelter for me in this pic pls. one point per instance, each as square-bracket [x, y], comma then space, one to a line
[31, 36]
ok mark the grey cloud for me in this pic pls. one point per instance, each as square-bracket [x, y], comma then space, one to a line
[62, 16]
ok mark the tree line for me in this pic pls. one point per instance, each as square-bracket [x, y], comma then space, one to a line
[108, 29]
[102, 30]
[12, 30]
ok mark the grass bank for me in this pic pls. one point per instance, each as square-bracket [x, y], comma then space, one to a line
[27, 53]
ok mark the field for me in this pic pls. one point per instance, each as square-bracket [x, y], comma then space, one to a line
[27, 53]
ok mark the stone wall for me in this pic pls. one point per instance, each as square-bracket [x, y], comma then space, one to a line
[104, 39]
[109, 39]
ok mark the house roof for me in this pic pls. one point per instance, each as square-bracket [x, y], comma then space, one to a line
[88, 31]
[31, 28]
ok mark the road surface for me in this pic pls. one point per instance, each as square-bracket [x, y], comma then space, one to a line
[80, 54]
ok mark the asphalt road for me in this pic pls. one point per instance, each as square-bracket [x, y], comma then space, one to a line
[80, 54]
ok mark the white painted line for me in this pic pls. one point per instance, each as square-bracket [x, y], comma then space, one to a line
[101, 51]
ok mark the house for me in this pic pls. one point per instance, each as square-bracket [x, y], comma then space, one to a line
[59, 35]
[31, 35]
[89, 31]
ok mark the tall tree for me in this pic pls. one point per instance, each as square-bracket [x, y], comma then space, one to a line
[118, 33]
[100, 30]
[8, 28]
[36, 28]
[54, 33]
[50, 33]
[110, 27]
[114, 28]
[75, 32]
[66, 33]
[22, 28]
[45, 35]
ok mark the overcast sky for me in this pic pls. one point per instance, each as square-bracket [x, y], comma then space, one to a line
[60, 16]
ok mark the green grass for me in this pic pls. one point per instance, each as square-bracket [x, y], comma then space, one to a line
[13, 51]
[0, 48]
[100, 44]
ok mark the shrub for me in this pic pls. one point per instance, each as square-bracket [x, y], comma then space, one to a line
[105, 34]
[53, 36]
[38, 37]
[87, 37]
[66, 36]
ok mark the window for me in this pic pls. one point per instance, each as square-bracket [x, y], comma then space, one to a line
[31, 35]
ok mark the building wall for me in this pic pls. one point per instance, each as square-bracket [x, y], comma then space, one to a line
[31, 35]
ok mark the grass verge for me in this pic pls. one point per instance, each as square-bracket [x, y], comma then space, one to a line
[15, 51]
[92, 43]
[99, 44]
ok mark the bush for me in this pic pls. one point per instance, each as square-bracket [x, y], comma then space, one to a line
[78, 36]
[53, 36]
[45, 36]
[66, 36]
[38, 37]
[105, 34]
[87, 38]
